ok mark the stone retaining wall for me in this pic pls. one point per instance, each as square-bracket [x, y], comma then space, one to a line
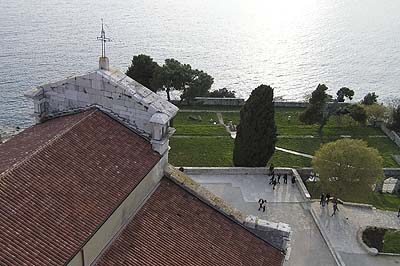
[391, 134]
[388, 172]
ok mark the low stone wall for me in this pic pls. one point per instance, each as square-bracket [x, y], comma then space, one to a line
[291, 104]
[277, 233]
[391, 134]
[300, 184]
[219, 101]
[370, 251]
[392, 172]
[234, 170]
[388, 172]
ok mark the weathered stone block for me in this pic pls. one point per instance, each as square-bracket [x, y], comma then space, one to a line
[98, 85]
[84, 82]
[71, 94]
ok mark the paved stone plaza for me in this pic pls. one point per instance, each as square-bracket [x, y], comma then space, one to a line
[286, 204]
[342, 229]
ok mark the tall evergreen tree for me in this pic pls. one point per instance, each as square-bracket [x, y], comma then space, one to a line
[256, 133]
[142, 70]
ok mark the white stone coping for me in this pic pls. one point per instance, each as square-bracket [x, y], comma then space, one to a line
[159, 118]
[358, 205]
[254, 222]
[301, 186]
[370, 251]
[350, 204]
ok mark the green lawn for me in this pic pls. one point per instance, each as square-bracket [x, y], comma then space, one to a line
[217, 151]
[198, 151]
[284, 159]
[309, 145]
[392, 241]
[386, 148]
[333, 131]
[182, 118]
[203, 127]
[381, 201]
[234, 117]
[335, 127]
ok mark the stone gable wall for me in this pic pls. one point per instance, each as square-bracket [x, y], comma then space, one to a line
[94, 89]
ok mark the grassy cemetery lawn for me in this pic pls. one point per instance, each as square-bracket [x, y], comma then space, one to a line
[284, 159]
[217, 151]
[201, 151]
[291, 132]
[309, 145]
[198, 124]
[383, 201]
[392, 241]
[293, 136]
[335, 127]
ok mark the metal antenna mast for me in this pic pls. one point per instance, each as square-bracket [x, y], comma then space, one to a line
[103, 40]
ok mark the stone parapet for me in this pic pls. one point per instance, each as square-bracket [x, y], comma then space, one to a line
[277, 234]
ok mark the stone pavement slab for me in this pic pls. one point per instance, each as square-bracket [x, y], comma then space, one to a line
[285, 204]
[253, 187]
[342, 228]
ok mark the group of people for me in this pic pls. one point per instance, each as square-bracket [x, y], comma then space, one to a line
[276, 179]
[325, 198]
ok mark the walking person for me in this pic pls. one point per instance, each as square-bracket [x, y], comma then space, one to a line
[335, 208]
[322, 200]
[293, 179]
[261, 203]
[273, 184]
[265, 205]
[279, 179]
[328, 196]
[271, 169]
[271, 180]
[285, 178]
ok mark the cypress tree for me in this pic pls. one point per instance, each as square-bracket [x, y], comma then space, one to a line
[256, 133]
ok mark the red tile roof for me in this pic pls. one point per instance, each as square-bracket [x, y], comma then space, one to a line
[176, 228]
[60, 180]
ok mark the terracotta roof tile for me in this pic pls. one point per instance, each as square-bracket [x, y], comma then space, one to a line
[60, 180]
[176, 228]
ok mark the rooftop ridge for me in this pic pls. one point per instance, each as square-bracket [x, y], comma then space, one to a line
[211, 200]
[45, 145]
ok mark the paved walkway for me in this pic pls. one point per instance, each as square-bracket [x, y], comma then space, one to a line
[342, 228]
[294, 152]
[285, 204]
